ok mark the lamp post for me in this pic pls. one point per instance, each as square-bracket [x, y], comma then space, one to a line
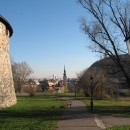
[75, 89]
[127, 40]
[91, 82]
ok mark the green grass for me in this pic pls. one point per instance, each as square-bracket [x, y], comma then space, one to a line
[119, 107]
[32, 113]
[50, 94]
[71, 95]
[124, 127]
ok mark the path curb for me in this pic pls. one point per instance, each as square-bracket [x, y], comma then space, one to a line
[99, 122]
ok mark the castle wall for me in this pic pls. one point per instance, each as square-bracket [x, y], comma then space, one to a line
[7, 92]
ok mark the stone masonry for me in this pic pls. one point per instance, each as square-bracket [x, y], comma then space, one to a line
[7, 92]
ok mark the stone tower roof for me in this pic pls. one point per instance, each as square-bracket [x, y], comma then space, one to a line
[7, 24]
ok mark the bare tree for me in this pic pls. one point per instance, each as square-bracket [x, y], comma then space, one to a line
[83, 82]
[21, 72]
[98, 85]
[107, 28]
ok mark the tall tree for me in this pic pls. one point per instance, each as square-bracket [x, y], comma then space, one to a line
[107, 28]
[21, 72]
[97, 86]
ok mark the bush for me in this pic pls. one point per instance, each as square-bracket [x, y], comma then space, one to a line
[32, 90]
[80, 92]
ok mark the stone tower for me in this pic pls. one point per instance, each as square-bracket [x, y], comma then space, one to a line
[7, 92]
[65, 80]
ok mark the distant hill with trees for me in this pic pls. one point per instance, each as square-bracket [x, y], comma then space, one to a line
[107, 77]
[112, 70]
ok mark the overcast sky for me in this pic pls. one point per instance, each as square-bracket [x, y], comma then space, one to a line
[47, 36]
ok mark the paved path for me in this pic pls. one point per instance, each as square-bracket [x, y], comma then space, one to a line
[111, 121]
[76, 117]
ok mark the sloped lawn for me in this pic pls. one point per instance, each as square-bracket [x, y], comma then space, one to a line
[124, 127]
[32, 113]
[119, 108]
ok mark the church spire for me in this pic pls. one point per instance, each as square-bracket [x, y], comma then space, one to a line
[65, 80]
[64, 71]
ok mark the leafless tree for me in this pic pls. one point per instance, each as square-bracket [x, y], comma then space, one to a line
[107, 28]
[21, 72]
[98, 86]
[83, 82]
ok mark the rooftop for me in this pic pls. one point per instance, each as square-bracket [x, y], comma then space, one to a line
[4, 21]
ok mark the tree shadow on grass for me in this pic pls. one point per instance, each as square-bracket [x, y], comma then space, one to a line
[72, 112]
[47, 114]
[29, 119]
[123, 111]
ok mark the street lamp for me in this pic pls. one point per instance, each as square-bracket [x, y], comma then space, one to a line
[91, 82]
[75, 89]
[127, 40]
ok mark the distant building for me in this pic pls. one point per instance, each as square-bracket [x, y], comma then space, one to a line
[31, 85]
[54, 77]
[65, 80]
[51, 85]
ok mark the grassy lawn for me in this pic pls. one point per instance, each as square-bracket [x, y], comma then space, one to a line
[111, 107]
[43, 111]
[119, 108]
[71, 95]
[124, 127]
[32, 113]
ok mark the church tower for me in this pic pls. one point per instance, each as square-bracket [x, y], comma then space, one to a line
[7, 92]
[65, 79]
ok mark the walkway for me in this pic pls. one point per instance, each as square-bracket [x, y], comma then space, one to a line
[76, 117]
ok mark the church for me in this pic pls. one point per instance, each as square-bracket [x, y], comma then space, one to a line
[65, 80]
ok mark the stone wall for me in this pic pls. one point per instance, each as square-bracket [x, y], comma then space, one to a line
[7, 92]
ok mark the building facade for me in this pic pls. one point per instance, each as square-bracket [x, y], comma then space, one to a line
[7, 92]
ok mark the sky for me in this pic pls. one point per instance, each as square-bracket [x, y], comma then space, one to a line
[47, 36]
